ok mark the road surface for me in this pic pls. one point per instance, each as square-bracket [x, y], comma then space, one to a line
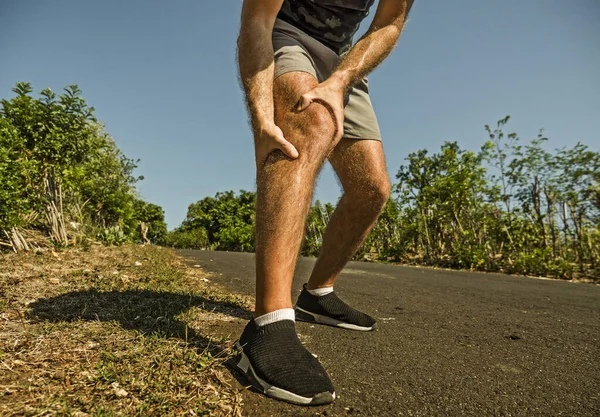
[448, 343]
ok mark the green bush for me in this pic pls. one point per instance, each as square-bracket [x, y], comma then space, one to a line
[227, 220]
[58, 165]
[191, 239]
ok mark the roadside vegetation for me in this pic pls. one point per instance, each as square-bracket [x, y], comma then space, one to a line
[92, 324]
[510, 207]
[63, 181]
[123, 330]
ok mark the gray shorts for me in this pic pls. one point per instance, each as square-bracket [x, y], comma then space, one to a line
[297, 51]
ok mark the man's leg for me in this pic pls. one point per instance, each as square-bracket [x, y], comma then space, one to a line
[360, 166]
[272, 357]
[284, 190]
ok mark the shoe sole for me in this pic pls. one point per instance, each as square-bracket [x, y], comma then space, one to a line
[272, 391]
[307, 316]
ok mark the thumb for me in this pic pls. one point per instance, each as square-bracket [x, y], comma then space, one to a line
[304, 102]
[339, 124]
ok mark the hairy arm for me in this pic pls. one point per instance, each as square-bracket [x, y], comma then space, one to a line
[376, 44]
[256, 65]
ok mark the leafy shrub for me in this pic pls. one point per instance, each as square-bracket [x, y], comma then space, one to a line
[58, 165]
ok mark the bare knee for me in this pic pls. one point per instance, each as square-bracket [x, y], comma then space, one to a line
[311, 131]
[373, 193]
[316, 121]
[380, 190]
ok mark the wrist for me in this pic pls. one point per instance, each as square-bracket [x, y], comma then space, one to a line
[340, 79]
[262, 122]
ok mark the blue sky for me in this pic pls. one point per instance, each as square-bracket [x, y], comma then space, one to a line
[162, 76]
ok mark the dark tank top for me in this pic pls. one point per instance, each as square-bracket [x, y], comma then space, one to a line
[332, 22]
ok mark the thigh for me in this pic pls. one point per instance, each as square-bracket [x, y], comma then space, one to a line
[360, 165]
[288, 88]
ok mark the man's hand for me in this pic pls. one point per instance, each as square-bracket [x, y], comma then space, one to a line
[269, 137]
[330, 93]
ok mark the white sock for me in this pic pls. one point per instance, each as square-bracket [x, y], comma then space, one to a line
[277, 315]
[321, 291]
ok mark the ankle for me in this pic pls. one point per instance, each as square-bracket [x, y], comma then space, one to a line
[316, 285]
[275, 316]
[320, 291]
[262, 309]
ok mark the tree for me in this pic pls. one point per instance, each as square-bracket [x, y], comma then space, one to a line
[152, 217]
[318, 218]
[227, 219]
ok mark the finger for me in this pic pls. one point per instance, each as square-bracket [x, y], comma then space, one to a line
[339, 124]
[304, 102]
[279, 143]
[263, 151]
[337, 115]
[287, 148]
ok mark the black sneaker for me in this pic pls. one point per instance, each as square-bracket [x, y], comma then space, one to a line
[277, 364]
[329, 309]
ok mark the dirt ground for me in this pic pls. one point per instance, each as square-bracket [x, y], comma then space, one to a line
[113, 331]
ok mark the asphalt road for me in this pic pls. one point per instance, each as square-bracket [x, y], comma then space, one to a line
[448, 343]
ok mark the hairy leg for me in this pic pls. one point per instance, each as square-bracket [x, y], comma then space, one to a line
[360, 166]
[284, 190]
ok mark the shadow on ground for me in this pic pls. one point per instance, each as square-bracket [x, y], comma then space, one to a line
[149, 312]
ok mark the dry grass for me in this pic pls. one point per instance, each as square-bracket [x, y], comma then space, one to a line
[112, 331]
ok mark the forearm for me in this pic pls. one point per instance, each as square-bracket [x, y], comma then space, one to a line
[256, 65]
[368, 52]
[371, 49]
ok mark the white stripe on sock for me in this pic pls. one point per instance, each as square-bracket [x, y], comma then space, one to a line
[277, 315]
[321, 291]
